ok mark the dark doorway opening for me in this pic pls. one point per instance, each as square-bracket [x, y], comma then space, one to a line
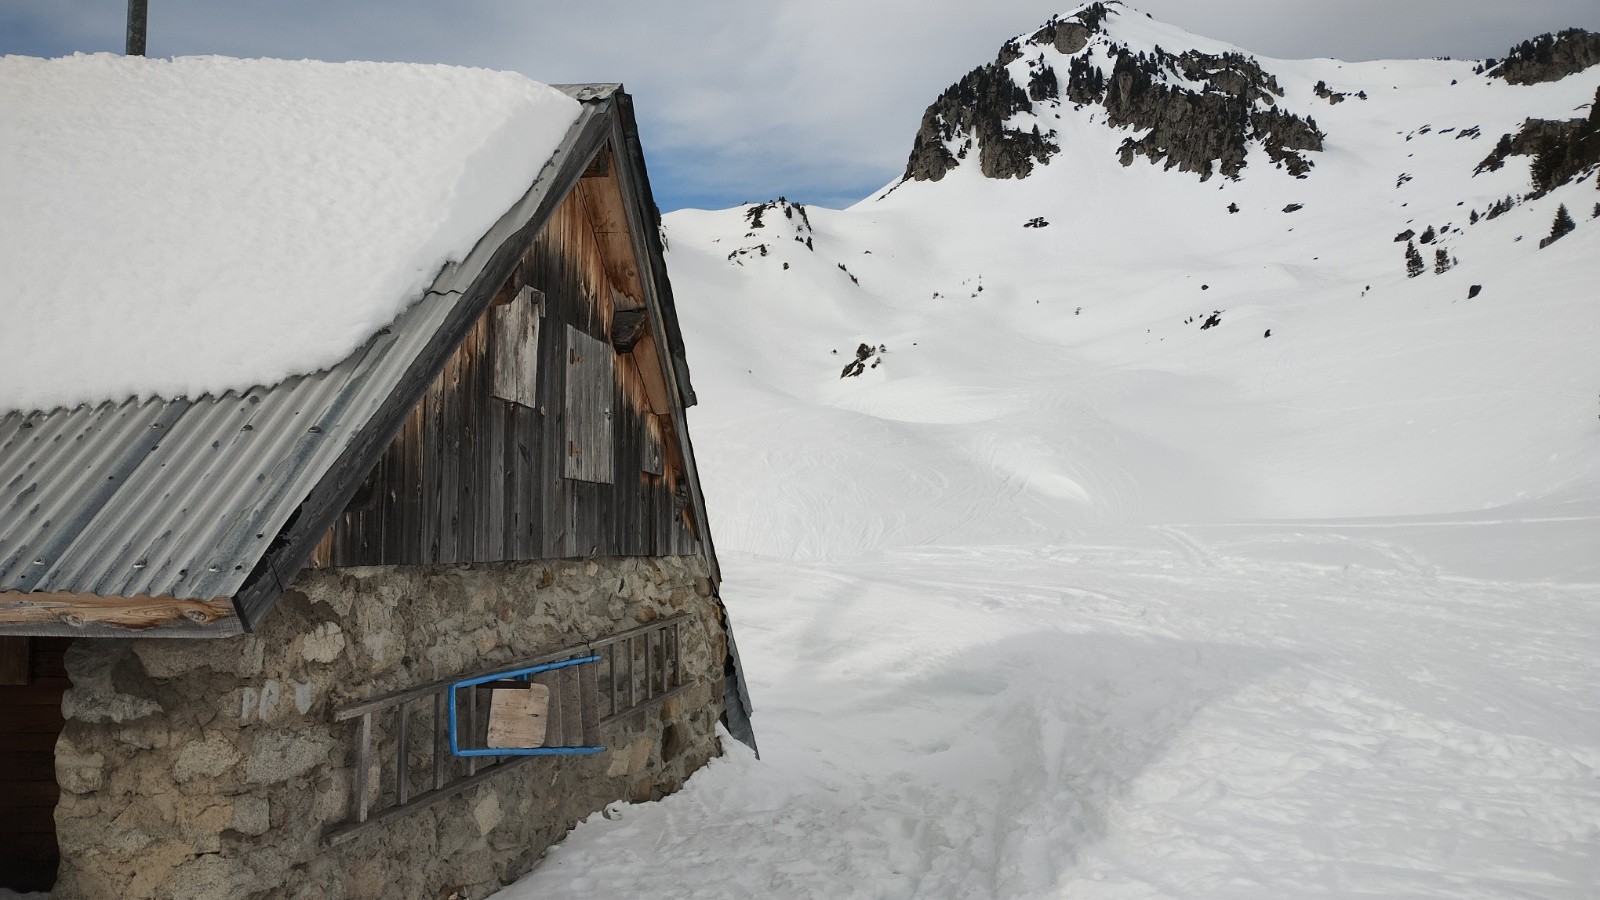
[32, 680]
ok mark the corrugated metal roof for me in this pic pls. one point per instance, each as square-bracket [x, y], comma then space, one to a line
[183, 497]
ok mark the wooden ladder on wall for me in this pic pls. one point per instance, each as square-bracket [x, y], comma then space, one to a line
[404, 730]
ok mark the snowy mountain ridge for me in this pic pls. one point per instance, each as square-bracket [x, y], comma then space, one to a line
[1403, 260]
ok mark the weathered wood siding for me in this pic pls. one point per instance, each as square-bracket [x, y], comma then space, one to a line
[473, 477]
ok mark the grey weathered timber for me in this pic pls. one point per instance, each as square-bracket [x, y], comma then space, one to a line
[590, 404]
[514, 459]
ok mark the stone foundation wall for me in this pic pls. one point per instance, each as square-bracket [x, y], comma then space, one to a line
[212, 769]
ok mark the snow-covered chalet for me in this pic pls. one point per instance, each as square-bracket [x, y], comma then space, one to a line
[282, 616]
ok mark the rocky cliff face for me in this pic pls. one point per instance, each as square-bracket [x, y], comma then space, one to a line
[1199, 112]
[1561, 149]
[1549, 57]
[972, 114]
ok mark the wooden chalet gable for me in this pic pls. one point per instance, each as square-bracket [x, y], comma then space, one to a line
[553, 429]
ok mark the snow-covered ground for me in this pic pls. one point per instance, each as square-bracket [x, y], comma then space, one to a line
[1067, 596]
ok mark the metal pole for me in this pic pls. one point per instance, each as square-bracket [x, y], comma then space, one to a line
[138, 16]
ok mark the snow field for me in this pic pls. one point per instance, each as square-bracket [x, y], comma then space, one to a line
[1154, 712]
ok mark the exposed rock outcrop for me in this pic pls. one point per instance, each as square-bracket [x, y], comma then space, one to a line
[1209, 129]
[1549, 57]
[1561, 149]
[970, 114]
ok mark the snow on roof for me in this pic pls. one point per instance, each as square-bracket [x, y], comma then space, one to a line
[195, 225]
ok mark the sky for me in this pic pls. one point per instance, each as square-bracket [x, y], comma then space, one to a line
[741, 101]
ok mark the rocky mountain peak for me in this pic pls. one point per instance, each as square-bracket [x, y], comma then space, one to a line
[1200, 112]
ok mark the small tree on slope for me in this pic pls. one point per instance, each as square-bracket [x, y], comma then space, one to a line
[1414, 263]
[1560, 227]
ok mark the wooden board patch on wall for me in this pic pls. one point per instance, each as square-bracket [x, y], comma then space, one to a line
[591, 398]
[514, 348]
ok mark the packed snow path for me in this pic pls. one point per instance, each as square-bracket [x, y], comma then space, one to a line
[1222, 711]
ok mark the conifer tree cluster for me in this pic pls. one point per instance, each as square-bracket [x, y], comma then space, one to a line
[1414, 263]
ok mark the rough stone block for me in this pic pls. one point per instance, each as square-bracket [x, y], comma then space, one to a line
[282, 755]
[252, 815]
[208, 757]
[487, 813]
[324, 643]
[631, 759]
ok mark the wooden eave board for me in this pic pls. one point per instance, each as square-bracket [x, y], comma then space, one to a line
[135, 614]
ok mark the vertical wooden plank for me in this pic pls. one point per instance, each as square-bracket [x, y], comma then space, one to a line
[611, 679]
[632, 701]
[447, 460]
[472, 729]
[528, 492]
[677, 654]
[590, 408]
[429, 474]
[470, 403]
[514, 346]
[363, 764]
[491, 530]
[571, 706]
[441, 740]
[589, 703]
[649, 674]
[555, 725]
[16, 658]
[666, 684]
[402, 747]
[411, 486]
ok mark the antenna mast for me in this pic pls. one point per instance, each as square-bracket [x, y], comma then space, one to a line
[138, 14]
